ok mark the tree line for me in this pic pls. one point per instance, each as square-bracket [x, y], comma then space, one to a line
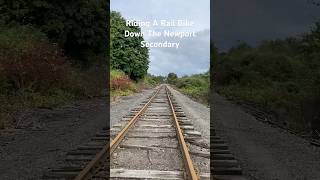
[281, 76]
[51, 53]
[78, 27]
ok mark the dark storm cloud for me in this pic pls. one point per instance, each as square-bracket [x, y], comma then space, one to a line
[255, 20]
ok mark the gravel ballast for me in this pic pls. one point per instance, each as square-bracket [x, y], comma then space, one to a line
[265, 152]
[198, 113]
[27, 153]
[122, 106]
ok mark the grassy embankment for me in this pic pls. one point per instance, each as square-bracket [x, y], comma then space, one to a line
[122, 85]
[195, 86]
[280, 76]
[34, 73]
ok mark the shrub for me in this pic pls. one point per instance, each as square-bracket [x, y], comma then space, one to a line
[119, 80]
[33, 69]
[196, 86]
[121, 84]
[280, 75]
[35, 73]
[28, 62]
[151, 80]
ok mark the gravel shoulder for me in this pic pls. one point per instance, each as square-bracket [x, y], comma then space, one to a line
[265, 152]
[197, 112]
[27, 153]
[123, 105]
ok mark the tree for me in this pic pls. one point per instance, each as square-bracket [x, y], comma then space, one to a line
[172, 78]
[159, 79]
[79, 26]
[126, 53]
[311, 43]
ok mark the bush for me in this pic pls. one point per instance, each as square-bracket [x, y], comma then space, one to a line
[35, 73]
[86, 83]
[28, 62]
[121, 84]
[279, 75]
[151, 80]
[196, 86]
[119, 80]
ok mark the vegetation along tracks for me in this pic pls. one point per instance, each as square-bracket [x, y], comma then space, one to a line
[155, 141]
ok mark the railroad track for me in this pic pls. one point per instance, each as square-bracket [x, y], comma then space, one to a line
[155, 141]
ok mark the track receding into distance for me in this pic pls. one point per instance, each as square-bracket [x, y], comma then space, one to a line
[155, 141]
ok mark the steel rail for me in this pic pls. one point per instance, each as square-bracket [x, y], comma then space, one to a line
[120, 136]
[115, 142]
[192, 175]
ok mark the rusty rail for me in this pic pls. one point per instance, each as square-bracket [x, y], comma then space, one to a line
[184, 149]
[89, 169]
[189, 167]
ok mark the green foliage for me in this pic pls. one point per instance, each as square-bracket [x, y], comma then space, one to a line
[116, 74]
[80, 27]
[151, 80]
[172, 78]
[19, 39]
[196, 86]
[53, 98]
[28, 61]
[121, 84]
[35, 73]
[280, 75]
[126, 53]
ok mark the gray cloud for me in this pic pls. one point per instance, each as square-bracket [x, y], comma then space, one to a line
[191, 58]
[255, 20]
[198, 11]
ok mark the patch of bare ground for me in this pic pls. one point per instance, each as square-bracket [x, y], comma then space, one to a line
[264, 151]
[45, 135]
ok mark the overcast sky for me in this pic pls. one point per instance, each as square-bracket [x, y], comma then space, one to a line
[250, 21]
[193, 54]
[255, 20]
